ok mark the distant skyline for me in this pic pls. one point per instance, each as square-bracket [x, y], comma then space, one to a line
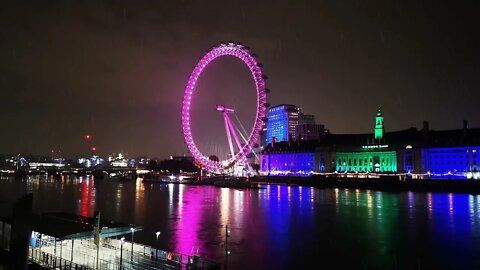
[117, 69]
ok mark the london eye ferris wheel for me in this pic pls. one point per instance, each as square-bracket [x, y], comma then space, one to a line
[240, 147]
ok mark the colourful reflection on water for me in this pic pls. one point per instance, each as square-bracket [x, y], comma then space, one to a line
[282, 227]
[87, 196]
[188, 221]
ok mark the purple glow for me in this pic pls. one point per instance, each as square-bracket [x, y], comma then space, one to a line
[288, 164]
[243, 54]
[186, 238]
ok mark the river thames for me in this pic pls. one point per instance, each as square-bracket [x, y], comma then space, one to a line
[279, 227]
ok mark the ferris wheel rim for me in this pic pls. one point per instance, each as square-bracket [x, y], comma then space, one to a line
[243, 53]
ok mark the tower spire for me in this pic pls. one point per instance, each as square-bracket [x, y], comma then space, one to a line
[379, 129]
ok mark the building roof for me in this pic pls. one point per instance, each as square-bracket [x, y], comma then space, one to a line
[396, 139]
[65, 226]
[294, 147]
[284, 104]
[449, 138]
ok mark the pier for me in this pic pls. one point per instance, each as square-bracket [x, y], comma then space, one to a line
[67, 241]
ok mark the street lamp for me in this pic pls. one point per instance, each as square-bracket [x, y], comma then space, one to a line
[227, 251]
[121, 250]
[133, 232]
[227, 235]
[156, 249]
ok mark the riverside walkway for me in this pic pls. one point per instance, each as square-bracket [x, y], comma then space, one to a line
[66, 241]
[113, 254]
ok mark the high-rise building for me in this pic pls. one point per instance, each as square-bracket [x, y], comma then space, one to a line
[281, 123]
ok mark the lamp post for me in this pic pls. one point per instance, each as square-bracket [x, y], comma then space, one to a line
[88, 140]
[121, 250]
[227, 235]
[156, 248]
[227, 251]
[133, 232]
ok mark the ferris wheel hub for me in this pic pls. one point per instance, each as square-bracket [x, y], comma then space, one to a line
[224, 109]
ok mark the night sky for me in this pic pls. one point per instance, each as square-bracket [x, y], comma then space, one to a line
[117, 69]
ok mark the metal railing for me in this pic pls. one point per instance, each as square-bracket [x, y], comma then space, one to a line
[114, 255]
[53, 262]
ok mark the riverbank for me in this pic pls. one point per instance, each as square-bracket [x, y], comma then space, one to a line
[383, 183]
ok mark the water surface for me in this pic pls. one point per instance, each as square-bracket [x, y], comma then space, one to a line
[279, 227]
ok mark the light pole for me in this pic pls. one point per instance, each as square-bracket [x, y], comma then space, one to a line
[156, 248]
[88, 140]
[227, 251]
[133, 232]
[227, 235]
[121, 251]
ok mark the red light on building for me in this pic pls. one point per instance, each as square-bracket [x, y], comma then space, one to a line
[94, 149]
[87, 136]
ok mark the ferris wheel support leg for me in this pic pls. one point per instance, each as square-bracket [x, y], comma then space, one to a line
[239, 145]
[227, 128]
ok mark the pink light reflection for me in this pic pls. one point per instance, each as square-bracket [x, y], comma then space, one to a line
[188, 223]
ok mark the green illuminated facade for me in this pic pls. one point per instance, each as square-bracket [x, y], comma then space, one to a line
[366, 161]
[369, 158]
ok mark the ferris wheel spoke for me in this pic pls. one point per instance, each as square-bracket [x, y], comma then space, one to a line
[235, 137]
[225, 118]
[245, 134]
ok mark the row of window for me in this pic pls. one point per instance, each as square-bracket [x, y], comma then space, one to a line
[454, 151]
[383, 162]
[453, 162]
[453, 156]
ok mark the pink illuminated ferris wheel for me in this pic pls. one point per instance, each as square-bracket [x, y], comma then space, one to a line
[240, 147]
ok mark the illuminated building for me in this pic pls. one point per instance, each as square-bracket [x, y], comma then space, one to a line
[36, 165]
[91, 162]
[373, 157]
[17, 162]
[289, 158]
[451, 153]
[297, 163]
[281, 123]
[375, 161]
[120, 161]
[337, 152]
[288, 123]
[452, 160]
[425, 153]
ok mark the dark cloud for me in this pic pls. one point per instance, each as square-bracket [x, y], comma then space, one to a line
[117, 69]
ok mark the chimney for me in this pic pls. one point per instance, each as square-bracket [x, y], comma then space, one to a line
[465, 127]
[425, 129]
[425, 125]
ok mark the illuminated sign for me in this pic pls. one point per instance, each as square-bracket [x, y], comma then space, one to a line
[375, 146]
